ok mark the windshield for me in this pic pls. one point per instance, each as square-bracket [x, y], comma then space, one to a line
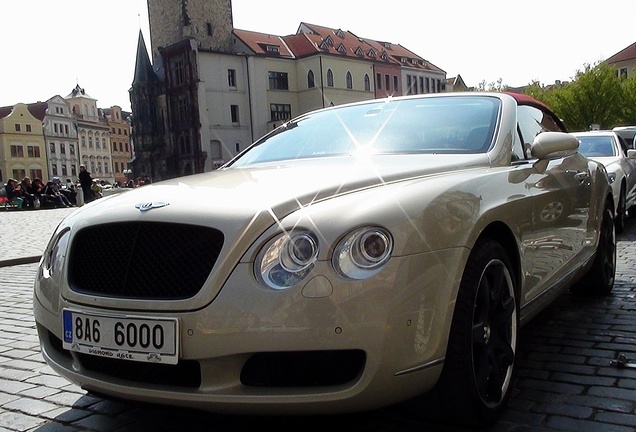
[403, 126]
[596, 146]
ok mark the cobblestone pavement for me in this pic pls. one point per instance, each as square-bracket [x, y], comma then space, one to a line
[566, 381]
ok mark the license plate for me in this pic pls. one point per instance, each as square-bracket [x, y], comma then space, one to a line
[126, 337]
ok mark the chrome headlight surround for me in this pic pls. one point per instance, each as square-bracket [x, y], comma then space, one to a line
[287, 259]
[363, 252]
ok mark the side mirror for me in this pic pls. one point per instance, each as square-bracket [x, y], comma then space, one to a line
[631, 153]
[552, 145]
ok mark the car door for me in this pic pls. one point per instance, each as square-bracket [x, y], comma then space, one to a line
[561, 191]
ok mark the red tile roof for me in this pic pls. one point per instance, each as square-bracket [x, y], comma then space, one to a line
[264, 44]
[312, 39]
[626, 54]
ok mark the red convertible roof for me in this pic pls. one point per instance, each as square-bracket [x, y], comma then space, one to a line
[524, 99]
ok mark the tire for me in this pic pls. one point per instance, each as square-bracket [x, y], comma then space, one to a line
[476, 380]
[599, 280]
[621, 211]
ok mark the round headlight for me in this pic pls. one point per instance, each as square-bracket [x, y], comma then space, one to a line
[363, 253]
[286, 260]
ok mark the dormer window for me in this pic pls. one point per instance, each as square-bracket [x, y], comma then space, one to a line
[329, 41]
[340, 33]
[273, 49]
[384, 56]
[341, 48]
[359, 52]
[403, 59]
[386, 45]
[414, 61]
[371, 53]
[324, 46]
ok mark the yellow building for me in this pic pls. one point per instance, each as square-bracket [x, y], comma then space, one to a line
[22, 151]
[121, 150]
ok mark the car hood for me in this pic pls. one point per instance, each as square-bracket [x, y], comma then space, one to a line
[278, 189]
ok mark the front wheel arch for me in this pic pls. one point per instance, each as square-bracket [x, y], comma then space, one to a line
[478, 371]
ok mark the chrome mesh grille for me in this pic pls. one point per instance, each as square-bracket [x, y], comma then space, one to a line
[141, 260]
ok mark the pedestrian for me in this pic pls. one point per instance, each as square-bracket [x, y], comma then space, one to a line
[86, 182]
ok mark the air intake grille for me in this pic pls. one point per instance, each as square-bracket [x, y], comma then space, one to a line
[141, 260]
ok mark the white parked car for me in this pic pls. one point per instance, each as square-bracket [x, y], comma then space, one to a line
[608, 148]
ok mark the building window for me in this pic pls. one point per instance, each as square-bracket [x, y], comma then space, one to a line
[114, 146]
[66, 129]
[35, 173]
[62, 148]
[278, 81]
[64, 170]
[234, 111]
[33, 151]
[54, 169]
[422, 84]
[428, 86]
[182, 109]
[349, 79]
[17, 127]
[52, 147]
[280, 112]
[329, 78]
[90, 141]
[73, 170]
[310, 79]
[209, 28]
[121, 147]
[409, 90]
[231, 77]
[179, 74]
[378, 81]
[71, 149]
[28, 128]
[387, 81]
[395, 83]
[622, 73]
[367, 83]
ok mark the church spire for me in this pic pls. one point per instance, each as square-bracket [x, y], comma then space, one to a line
[144, 72]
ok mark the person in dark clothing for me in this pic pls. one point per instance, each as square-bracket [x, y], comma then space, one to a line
[86, 181]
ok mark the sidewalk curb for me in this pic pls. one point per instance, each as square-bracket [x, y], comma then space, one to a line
[20, 261]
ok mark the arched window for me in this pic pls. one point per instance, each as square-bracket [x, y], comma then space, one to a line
[367, 83]
[310, 79]
[329, 78]
[349, 81]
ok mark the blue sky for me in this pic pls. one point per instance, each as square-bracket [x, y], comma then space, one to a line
[67, 42]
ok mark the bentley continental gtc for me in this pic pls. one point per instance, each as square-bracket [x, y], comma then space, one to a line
[356, 257]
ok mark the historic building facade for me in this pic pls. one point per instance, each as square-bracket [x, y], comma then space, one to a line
[93, 135]
[120, 148]
[211, 90]
[60, 137]
[22, 148]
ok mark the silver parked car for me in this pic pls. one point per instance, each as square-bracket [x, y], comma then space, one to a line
[608, 148]
[356, 257]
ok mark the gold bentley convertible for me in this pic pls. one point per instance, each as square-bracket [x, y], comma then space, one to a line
[356, 257]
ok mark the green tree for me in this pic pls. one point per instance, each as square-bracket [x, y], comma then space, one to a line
[629, 101]
[594, 97]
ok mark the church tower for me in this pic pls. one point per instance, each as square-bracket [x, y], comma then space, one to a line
[208, 22]
[164, 94]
